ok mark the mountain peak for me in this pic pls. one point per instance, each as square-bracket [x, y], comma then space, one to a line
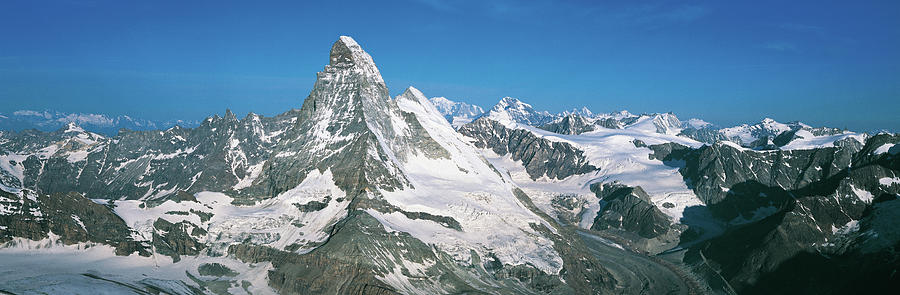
[414, 92]
[511, 101]
[72, 127]
[511, 110]
[346, 53]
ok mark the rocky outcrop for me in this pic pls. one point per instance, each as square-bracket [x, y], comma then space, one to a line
[360, 253]
[176, 239]
[70, 218]
[819, 209]
[539, 156]
[571, 124]
[704, 135]
[734, 182]
[630, 209]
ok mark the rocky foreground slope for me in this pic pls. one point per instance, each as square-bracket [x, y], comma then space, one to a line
[357, 192]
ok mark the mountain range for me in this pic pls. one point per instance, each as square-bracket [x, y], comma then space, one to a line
[358, 192]
[99, 123]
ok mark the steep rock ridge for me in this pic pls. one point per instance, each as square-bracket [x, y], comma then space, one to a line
[574, 122]
[391, 157]
[440, 193]
[571, 124]
[217, 155]
[705, 133]
[630, 209]
[457, 113]
[540, 157]
[722, 170]
[789, 208]
[348, 121]
[63, 218]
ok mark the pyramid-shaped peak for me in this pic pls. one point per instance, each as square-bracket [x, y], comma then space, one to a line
[412, 92]
[413, 95]
[346, 50]
[346, 53]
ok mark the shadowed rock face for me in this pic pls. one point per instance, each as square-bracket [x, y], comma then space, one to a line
[630, 209]
[819, 208]
[539, 156]
[733, 182]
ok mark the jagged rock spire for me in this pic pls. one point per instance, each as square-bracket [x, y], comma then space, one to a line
[346, 52]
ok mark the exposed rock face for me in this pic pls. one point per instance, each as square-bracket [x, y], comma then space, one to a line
[219, 155]
[759, 179]
[176, 239]
[70, 217]
[347, 124]
[539, 156]
[705, 135]
[570, 124]
[801, 207]
[629, 208]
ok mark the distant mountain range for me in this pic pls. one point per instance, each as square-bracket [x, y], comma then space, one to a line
[766, 135]
[48, 120]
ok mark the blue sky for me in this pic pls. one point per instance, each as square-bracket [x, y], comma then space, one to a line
[835, 64]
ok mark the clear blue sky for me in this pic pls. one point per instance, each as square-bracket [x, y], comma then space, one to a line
[834, 64]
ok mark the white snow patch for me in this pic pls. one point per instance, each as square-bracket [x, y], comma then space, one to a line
[886, 181]
[884, 148]
[863, 195]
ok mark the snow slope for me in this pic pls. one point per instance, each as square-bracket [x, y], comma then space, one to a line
[466, 188]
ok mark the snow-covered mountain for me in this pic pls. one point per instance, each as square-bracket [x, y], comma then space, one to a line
[660, 189]
[357, 192]
[457, 113]
[765, 135]
[512, 110]
[99, 123]
[583, 111]
[770, 134]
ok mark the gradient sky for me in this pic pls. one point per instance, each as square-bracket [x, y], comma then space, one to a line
[835, 64]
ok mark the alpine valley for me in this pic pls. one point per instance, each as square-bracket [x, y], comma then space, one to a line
[358, 192]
